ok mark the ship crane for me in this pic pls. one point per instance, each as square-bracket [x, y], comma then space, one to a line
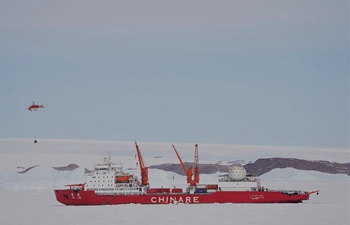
[143, 168]
[189, 172]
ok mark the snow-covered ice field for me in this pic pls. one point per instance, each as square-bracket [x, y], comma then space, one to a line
[29, 198]
[41, 207]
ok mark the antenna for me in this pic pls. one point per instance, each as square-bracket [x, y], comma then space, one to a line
[108, 159]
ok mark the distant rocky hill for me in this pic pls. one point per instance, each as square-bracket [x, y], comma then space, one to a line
[23, 170]
[259, 167]
[262, 166]
[70, 167]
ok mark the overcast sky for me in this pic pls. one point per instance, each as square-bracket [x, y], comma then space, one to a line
[228, 72]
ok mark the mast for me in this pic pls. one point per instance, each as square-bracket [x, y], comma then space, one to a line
[196, 165]
[143, 168]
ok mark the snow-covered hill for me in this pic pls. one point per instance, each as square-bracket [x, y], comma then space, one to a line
[44, 177]
[291, 174]
[19, 154]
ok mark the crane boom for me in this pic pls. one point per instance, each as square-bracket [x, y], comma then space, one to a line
[188, 172]
[178, 156]
[143, 168]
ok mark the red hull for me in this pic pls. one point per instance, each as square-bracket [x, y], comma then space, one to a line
[70, 197]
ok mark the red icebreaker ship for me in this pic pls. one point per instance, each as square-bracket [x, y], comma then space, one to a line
[109, 185]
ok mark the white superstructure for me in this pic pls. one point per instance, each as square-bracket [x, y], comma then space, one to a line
[109, 178]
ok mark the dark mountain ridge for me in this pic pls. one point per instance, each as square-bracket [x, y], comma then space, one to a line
[262, 166]
[257, 168]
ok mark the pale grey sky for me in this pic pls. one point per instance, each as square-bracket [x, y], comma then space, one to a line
[230, 72]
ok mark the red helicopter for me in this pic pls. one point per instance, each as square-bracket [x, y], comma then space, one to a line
[35, 107]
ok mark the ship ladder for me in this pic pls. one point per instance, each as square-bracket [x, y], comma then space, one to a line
[109, 200]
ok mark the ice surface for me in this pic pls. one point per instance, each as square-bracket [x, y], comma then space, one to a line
[34, 207]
